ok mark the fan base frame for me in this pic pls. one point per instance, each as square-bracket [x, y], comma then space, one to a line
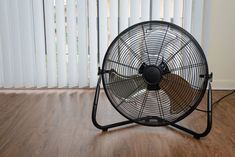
[196, 135]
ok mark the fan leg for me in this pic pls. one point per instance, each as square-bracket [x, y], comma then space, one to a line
[209, 119]
[94, 111]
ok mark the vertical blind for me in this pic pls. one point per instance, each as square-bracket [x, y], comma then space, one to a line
[53, 43]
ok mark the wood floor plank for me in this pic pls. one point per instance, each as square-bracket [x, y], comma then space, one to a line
[57, 123]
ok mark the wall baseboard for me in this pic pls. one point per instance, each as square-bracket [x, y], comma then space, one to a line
[223, 84]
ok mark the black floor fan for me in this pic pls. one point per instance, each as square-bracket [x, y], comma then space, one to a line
[155, 73]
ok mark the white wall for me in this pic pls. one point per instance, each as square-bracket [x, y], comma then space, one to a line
[219, 35]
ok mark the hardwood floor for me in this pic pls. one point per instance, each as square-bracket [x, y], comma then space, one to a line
[57, 123]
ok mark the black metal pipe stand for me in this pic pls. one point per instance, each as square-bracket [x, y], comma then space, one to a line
[209, 118]
[94, 110]
[195, 134]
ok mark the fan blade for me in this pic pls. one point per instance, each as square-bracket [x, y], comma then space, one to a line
[125, 86]
[180, 92]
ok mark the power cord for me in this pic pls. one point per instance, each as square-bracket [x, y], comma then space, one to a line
[217, 101]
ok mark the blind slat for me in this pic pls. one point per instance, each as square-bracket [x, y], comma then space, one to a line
[82, 43]
[60, 38]
[103, 29]
[156, 9]
[41, 79]
[197, 19]
[167, 9]
[145, 4]
[6, 46]
[124, 14]
[178, 12]
[187, 15]
[72, 47]
[27, 42]
[134, 11]
[113, 19]
[50, 42]
[13, 13]
[1, 62]
[93, 43]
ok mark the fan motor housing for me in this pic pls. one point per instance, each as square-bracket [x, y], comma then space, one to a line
[152, 74]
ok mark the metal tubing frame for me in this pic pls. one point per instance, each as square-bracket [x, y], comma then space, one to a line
[209, 118]
[94, 111]
[182, 128]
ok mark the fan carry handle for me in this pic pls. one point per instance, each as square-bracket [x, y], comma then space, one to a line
[195, 134]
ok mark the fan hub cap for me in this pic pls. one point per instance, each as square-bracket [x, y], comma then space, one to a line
[152, 75]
